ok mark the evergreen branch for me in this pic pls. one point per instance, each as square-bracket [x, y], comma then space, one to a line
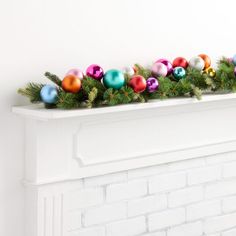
[88, 84]
[91, 97]
[112, 97]
[32, 91]
[54, 78]
[69, 100]
[146, 73]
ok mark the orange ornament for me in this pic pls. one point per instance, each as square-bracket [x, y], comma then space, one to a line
[206, 59]
[71, 84]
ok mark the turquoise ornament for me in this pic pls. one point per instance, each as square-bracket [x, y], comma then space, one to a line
[179, 72]
[49, 94]
[114, 79]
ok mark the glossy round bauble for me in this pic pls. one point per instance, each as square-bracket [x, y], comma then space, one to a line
[138, 83]
[49, 94]
[179, 72]
[206, 60]
[76, 72]
[71, 84]
[230, 59]
[167, 64]
[114, 79]
[180, 61]
[159, 69]
[234, 59]
[235, 71]
[152, 84]
[95, 71]
[129, 70]
[197, 63]
[210, 72]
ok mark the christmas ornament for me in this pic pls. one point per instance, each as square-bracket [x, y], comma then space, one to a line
[206, 59]
[234, 59]
[71, 84]
[167, 64]
[179, 72]
[230, 60]
[49, 94]
[76, 72]
[210, 72]
[114, 79]
[180, 61]
[152, 84]
[159, 69]
[197, 63]
[138, 83]
[95, 71]
[235, 71]
[129, 70]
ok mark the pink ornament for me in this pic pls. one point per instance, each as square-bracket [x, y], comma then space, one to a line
[230, 60]
[159, 69]
[76, 72]
[167, 64]
[95, 71]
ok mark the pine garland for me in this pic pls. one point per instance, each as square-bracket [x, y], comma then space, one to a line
[94, 94]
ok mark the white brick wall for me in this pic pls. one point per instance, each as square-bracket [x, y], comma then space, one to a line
[188, 198]
[166, 218]
[129, 227]
[190, 229]
[131, 189]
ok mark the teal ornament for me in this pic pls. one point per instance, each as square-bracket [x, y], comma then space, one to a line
[114, 79]
[234, 59]
[179, 72]
[49, 94]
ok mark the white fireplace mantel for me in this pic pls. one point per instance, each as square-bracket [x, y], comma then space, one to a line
[65, 145]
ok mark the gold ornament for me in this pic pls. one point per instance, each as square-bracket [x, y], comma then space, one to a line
[210, 72]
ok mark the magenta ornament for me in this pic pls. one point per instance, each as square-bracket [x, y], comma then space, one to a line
[235, 71]
[159, 69]
[95, 71]
[76, 72]
[167, 64]
[152, 84]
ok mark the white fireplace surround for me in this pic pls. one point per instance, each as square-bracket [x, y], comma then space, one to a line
[154, 169]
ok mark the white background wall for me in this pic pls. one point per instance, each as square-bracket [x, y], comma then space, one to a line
[56, 35]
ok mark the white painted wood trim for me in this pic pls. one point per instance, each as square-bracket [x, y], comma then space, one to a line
[40, 113]
[77, 144]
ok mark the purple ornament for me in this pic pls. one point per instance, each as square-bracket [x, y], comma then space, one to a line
[235, 71]
[76, 72]
[95, 71]
[152, 84]
[159, 69]
[167, 64]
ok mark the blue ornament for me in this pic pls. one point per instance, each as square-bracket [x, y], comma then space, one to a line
[49, 94]
[179, 72]
[234, 59]
[114, 79]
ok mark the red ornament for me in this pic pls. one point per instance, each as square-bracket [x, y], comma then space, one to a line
[180, 61]
[138, 83]
[71, 84]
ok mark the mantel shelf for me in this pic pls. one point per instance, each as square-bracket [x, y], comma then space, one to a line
[39, 112]
[58, 142]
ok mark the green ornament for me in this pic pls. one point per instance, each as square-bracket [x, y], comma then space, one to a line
[179, 72]
[114, 79]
